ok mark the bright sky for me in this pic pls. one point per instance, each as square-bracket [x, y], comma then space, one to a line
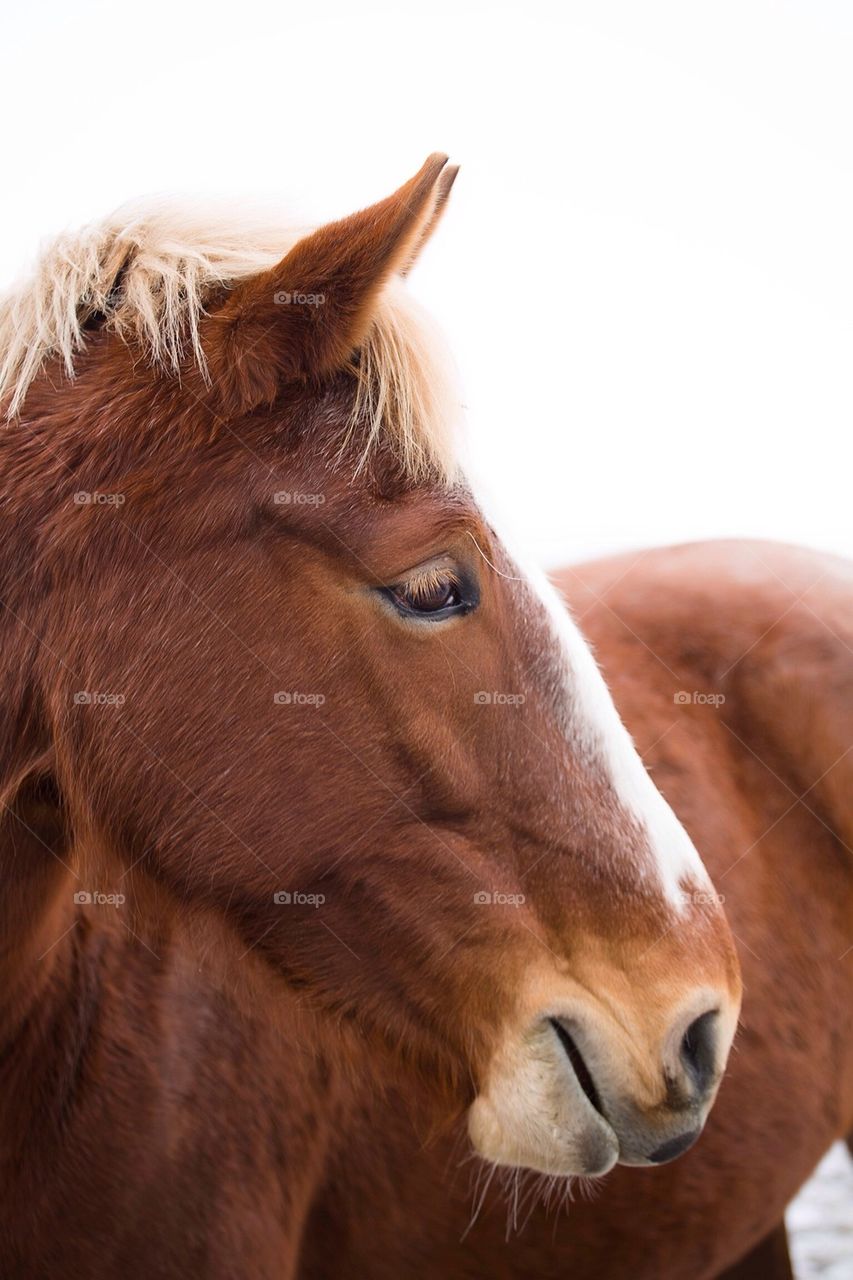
[646, 271]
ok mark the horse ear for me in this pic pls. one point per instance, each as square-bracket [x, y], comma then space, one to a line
[305, 316]
[446, 179]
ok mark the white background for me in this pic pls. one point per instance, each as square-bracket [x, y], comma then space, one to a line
[647, 268]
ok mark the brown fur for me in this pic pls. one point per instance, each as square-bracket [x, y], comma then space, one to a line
[204, 1081]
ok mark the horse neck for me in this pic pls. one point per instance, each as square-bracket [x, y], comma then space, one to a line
[87, 994]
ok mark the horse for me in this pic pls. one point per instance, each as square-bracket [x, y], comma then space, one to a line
[313, 794]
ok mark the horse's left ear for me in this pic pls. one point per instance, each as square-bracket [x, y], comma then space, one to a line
[306, 316]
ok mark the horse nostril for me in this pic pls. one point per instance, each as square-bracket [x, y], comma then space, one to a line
[699, 1049]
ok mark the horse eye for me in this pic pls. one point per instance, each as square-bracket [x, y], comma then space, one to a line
[435, 593]
[428, 597]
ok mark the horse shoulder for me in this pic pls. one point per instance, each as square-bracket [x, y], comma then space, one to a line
[764, 633]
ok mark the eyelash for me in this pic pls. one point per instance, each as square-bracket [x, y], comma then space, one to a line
[453, 594]
[433, 580]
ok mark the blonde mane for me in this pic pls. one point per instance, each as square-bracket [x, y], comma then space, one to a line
[149, 270]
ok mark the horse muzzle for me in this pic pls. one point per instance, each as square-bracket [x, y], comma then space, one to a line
[582, 1091]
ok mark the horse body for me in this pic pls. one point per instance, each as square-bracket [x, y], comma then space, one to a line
[311, 798]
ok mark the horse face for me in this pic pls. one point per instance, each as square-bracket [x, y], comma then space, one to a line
[355, 730]
[545, 913]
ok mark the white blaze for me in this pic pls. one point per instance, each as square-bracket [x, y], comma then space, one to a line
[599, 733]
[606, 738]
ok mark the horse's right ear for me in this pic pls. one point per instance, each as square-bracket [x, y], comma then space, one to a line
[305, 317]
